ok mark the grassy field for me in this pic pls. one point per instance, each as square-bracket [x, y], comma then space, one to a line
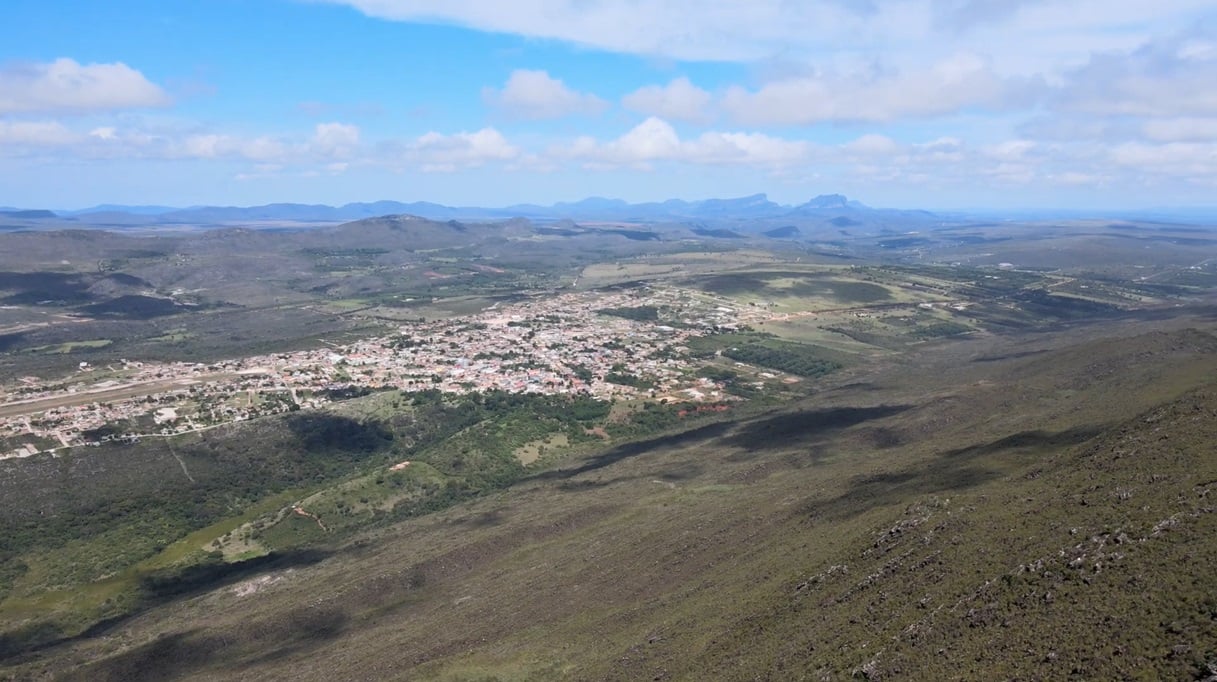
[70, 346]
[671, 266]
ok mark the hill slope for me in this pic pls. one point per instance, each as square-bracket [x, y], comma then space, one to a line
[986, 510]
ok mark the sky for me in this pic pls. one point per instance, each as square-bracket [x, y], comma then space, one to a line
[937, 104]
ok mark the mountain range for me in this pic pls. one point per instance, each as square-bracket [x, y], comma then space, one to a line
[755, 214]
[753, 207]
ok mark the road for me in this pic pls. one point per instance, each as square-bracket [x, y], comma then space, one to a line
[19, 408]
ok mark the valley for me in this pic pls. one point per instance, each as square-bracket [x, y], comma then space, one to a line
[512, 450]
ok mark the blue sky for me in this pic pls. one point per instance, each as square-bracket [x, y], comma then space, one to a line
[917, 103]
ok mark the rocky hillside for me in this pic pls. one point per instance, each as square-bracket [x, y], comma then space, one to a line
[1036, 509]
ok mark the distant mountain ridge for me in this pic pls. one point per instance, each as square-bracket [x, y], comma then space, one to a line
[825, 210]
[27, 214]
[598, 208]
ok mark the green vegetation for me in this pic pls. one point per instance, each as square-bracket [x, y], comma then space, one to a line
[621, 375]
[784, 356]
[71, 346]
[126, 531]
[714, 344]
[764, 350]
[175, 336]
[938, 329]
[642, 313]
[733, 382]
[829, 287]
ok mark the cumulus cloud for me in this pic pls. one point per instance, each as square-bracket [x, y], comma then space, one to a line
[263, 148]
[207, 146]
[266, 148]
[136, 141]
[329, 147]
[536, 95]
[942, 160]
[960, 82]
[67, 86]
[329, 143]
[655, 140]
[337, 140]
[679, 100]
[873, 144]
[438, 152]
[1139, 117]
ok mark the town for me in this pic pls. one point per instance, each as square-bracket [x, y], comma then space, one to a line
[568, 343]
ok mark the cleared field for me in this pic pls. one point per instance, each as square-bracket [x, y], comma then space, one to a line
[809, 289]
[70, 346]
[813, 330]
[531, 452]
[670, 266]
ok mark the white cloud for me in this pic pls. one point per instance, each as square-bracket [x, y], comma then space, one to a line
[943, 149]
[207, 146]
[759, 29]
[264, 148]
[437, 152]
[940, 161]
[1065, 127]
[685, 29]
[26, 134]
[655, 140]
[1184, 160]
[1009, 173]
[678, 100]
[536, 95]
[104, 133]
[873, 144]
[263, 171]
[336, 140]
[1168, 77]
[1010, 150]
[67, 86]
[961, 82]
[329, 148]
[1181, 129]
